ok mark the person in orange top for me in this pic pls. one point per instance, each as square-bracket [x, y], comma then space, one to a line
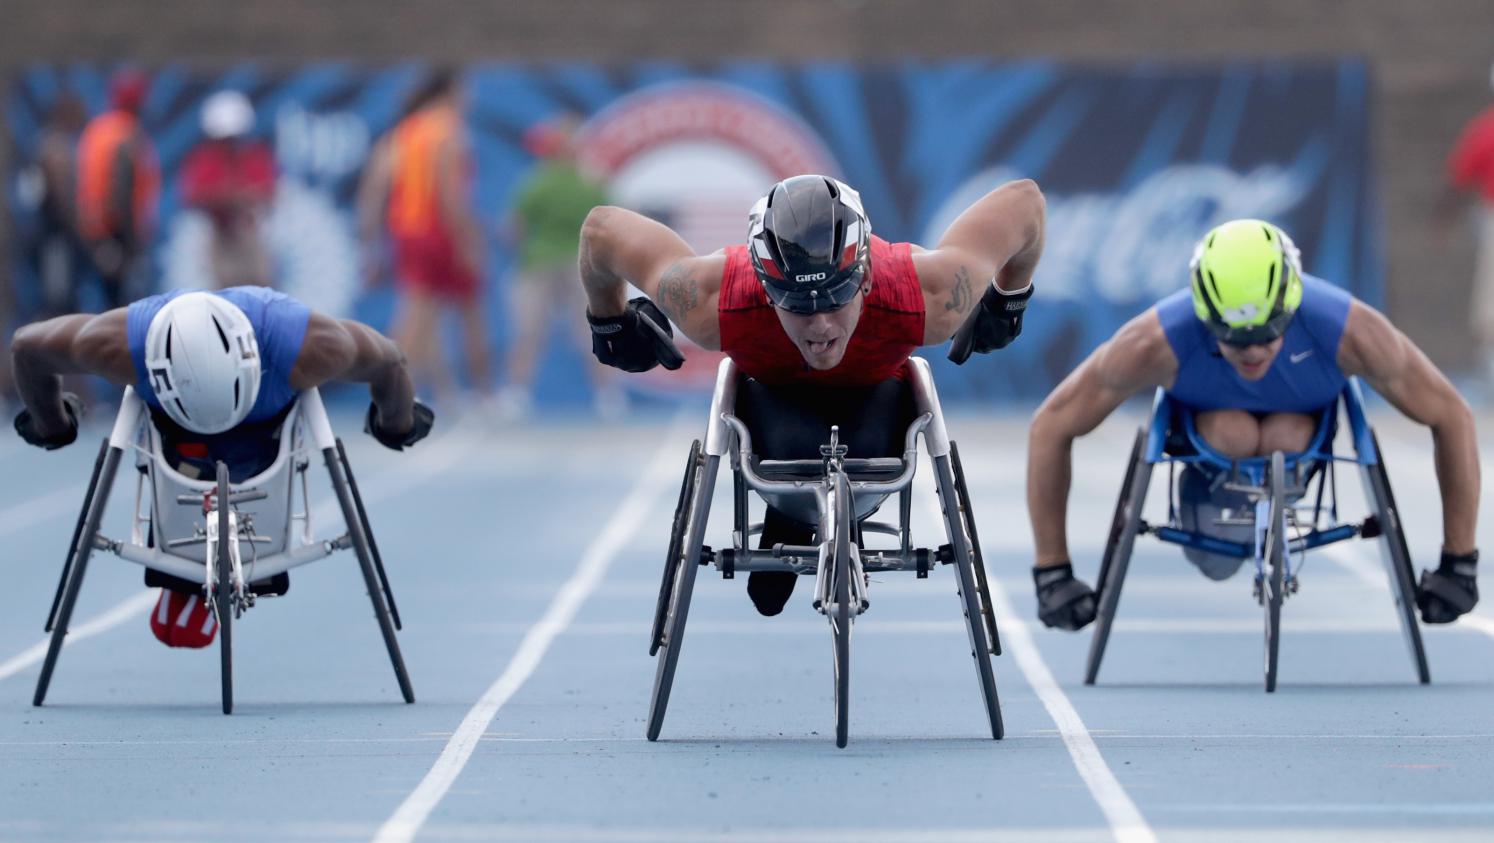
[119, 182]
[416, 188]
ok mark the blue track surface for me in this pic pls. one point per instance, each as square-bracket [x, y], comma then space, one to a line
[484, 534]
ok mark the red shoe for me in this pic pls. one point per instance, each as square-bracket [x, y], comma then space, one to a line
[183, 620]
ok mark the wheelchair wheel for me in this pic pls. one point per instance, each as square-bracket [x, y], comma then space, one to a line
[678, 610]
[222, 596]
[676, 539]
[840, 617]
[72, 548]
[969, 591]
[1275, 565]
[983, 585]
[1124, 526]
[1397, 558]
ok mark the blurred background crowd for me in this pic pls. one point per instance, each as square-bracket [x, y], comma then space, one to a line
[426, 167]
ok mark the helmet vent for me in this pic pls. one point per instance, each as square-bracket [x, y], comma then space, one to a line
[1210, 244]
[168, 341]
[182, 410]
[1271, 280]
[221, 335]
[235, 393]
[1215, 285]
[1267, 229]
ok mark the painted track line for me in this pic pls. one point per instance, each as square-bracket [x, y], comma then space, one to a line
[1127, 825]
[445, 453]
[410, 816]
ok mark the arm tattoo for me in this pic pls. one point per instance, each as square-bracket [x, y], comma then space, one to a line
[677, 292]
[959, 297]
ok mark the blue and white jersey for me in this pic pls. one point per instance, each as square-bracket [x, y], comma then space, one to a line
[279, 323]
[1303, 378]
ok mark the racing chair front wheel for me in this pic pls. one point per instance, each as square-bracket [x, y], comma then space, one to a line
[959, 526]
[676, 539]
[222, 595]
[700, 482]
[1275, 549]
[840, 614]
[1124, 526]
[1397, 558]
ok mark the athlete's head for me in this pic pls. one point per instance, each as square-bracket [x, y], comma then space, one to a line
[226, 115]
[203, 362]
[127, 90]
[1246, 277]
[810, 243]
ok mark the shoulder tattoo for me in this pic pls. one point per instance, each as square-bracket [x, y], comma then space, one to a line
[677, 291]
[959, 297]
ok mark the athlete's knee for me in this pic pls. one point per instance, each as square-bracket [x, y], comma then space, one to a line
[1289, 432]
[1233, 433]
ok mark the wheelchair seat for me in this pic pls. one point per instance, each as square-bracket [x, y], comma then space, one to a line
[866, 470]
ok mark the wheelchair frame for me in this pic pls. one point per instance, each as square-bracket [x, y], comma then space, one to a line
[840, 561]
[221, 568]
[1275, 485]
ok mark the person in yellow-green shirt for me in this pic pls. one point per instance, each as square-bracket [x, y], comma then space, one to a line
[544, 224]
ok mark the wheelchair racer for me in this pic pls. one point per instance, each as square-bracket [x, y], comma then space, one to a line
[818, 314]
[1259, 350]
[219, 372]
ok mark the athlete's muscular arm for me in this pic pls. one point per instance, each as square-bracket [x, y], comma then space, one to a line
[1377, 351]
[345, 350]
[998, 239]
[619, 246]
[1137, 357]
[82, 343]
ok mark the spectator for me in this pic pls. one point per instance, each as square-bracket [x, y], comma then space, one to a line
[54, 252]
[231, 179]
[545, 223]
[119, 183]
[1470, 168]
[417, 188]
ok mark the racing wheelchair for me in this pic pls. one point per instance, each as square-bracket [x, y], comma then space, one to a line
[228, 536]
[838, 494]
[1281, 525]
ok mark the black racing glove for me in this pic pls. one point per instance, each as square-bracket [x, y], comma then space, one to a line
[1450, 591]
[72, 408]
[1063, 602]
[636, 341]
[425, 419]
[995, 322]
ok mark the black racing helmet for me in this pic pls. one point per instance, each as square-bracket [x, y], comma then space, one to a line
[810, 243]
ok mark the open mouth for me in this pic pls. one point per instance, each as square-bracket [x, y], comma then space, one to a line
[820, 347]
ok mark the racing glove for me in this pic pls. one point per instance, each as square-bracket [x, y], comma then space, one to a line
[636, 341]
[995, 322]
[425, 419]
[72, 409]
[1451, 590]
[1063, 602]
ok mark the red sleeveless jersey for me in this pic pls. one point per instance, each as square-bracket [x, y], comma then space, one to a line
[890, 329]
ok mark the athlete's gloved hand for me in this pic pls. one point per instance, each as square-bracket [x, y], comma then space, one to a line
[72, 408]
[1063, 602]
[636, 341]
[995, 322]
[425, 419]
[1450, 591]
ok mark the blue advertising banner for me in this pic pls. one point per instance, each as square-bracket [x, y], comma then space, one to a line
[1136, 161]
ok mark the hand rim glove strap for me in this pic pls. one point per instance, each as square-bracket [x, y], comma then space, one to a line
[995, 321]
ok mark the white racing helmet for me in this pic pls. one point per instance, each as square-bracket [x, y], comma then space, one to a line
[203, 362]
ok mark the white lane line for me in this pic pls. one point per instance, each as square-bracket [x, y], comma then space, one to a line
[1127, 825]
[443, 454]
[407, 820]
[1375, 577]
[121, 612]
[54, 504]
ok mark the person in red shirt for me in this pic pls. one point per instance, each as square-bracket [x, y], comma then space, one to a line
[231, 178]
[819, 315]
[1470, 169]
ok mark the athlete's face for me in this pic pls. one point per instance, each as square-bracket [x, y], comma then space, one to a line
[822, 337]
[1251, 361]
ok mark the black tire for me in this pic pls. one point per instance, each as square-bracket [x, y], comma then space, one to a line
[72, 547]
[840, 618]
[969, 592]
[982, 583]
[1124, 525]
[1402, 575]
[1275, 565]
[222, 596]
[678, 610]
[368, 536]
[676, 538]
[96, 507]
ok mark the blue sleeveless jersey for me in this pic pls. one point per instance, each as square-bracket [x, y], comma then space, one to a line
[1303, 378]
[279, 326]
